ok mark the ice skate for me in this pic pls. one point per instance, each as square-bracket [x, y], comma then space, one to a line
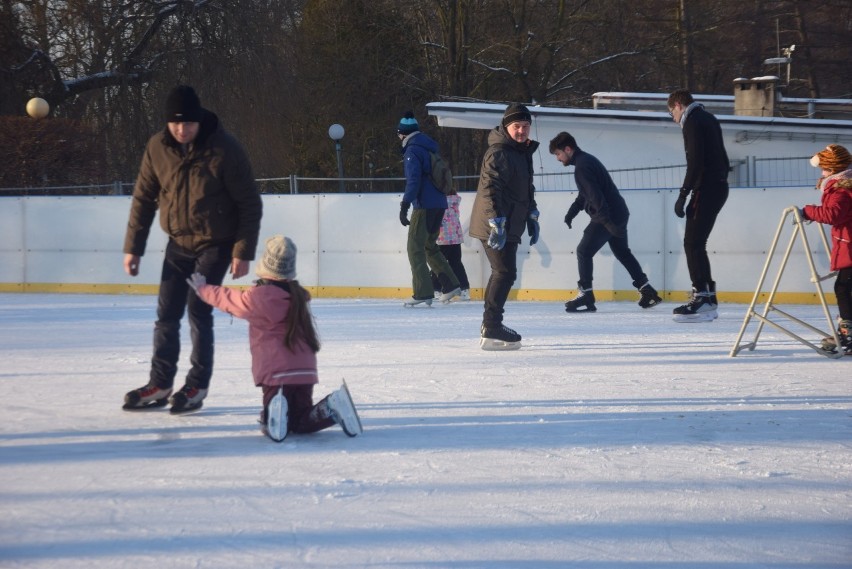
[844, 333]
[187, 400]
[448, 296]
[499, 338]
[146, 397]
[649, 296]
[343, 411]
[583, 302]
[412, 302]
[698, 309]
[275, 426]
[465, 295]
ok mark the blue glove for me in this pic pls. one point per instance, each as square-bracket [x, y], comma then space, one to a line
[497, 238]
[533, 227]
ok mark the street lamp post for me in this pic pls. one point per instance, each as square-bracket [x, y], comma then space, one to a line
[336, 132]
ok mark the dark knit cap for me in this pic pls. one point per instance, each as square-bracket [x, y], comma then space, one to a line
[183, 105]
[514, 113]
[407, 124]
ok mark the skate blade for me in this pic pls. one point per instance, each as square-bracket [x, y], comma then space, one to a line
[587, 309]
[187, 410]
[491, 345]
[651, 304]
[158, 404]
[421, 304]
[699, 317]
[276, 422]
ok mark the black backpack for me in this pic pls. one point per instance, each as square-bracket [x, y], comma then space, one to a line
[441, 175]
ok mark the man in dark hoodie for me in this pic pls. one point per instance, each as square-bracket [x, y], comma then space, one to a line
[199, 178]
[503, 208]
[598, 196]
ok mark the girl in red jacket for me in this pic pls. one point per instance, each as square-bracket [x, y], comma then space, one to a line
[836, 210]
[284, 344]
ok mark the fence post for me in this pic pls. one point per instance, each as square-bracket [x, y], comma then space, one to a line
[294, 185]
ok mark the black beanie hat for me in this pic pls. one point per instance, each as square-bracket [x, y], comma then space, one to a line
[183, 105]
[514, 113]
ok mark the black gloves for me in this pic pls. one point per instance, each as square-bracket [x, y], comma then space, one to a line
[572, 213]
[403, 214]
[681, 202]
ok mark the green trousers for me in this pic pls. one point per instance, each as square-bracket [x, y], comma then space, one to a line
[424, 253]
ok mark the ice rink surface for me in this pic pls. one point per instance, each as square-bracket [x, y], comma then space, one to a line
[618, 439]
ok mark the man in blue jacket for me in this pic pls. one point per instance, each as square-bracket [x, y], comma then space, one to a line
[429, 206]
[599, 197]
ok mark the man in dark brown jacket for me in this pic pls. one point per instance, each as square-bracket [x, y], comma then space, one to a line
[503, 209]
[200, 179]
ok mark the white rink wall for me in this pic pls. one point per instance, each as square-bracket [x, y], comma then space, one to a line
[354, 246]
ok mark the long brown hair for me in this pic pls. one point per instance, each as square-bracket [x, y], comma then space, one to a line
[300, 321]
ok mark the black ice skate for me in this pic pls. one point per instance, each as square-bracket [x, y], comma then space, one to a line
[699, 309]
[187, 400]
[146, 397]
[499, 338]
[583, 302]
[649, 296]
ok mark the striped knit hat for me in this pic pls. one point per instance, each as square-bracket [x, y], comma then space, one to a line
[279, 259]
[833, 158]
[407, 124]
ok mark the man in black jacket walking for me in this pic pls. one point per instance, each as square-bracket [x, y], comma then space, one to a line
[599, 197]
[706, 181]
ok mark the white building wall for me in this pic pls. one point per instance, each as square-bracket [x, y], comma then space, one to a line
[354, 245]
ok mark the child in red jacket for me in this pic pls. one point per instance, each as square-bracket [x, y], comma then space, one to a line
[836, 210]
[283, 343]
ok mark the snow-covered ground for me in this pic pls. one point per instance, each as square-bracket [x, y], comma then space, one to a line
[616, 439]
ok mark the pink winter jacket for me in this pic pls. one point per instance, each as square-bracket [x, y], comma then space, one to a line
[265, 308]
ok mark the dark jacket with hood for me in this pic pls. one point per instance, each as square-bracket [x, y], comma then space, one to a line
[597, 193]
[206, 195]
[505, 186]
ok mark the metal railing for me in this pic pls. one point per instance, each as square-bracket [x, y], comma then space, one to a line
[748, 172]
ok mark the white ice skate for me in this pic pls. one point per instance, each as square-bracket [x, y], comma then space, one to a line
[276, 417]
[344, 412]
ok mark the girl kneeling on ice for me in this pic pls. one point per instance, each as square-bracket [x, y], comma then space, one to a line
[283, 344]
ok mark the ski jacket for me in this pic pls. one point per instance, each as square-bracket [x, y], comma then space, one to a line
[707, 164]
[835, 209]
[206, 196]
[597, 194]
[451, 228]
[505, 186]
[265, 308]
[420, 192]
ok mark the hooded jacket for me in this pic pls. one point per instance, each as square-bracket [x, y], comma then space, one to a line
[505, 186]
[835, 210]
[420, 192]
[205, 196]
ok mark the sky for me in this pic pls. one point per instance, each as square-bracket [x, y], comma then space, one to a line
[618, 439]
